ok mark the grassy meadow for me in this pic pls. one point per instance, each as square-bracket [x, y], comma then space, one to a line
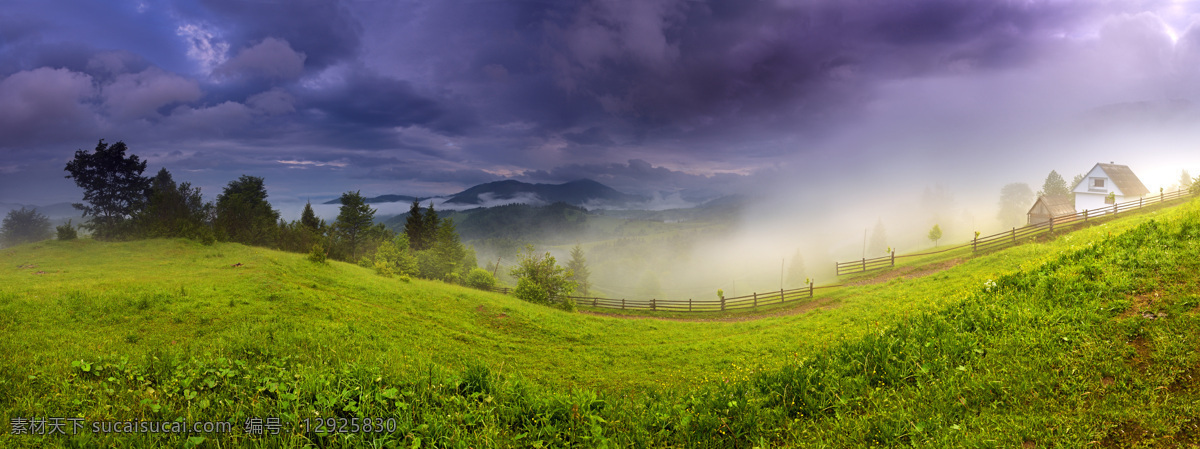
[1086, 339]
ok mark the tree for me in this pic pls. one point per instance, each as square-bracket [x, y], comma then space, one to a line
[113, 187]
[935, 234]
[395, 257]
[173, 210]
[243, 213]
[579, 270]
[445, 255]
[796, 273]
[66, 231]
[1015, 200]
[431, 226]
[414, 226]
[24, 226]
[1185, 181]
[539, 278]
[878, 239]
[353, 222]
[1054, 185]
[309, 219]
[1195, 188]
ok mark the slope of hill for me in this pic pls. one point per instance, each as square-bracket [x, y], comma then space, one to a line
[1088, 339]
[381, 199]
[583, 192]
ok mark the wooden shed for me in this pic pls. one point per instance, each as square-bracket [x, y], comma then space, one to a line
[1050, 206]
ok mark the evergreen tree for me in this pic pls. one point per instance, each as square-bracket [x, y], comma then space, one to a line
[879, 243]
[24, 226]
[173, 210]
[1015, 200]
[243, 213]
[796, 272]
[353, 225]
[113, 187]
[579, 270]
[414, 227]
[1054, 185]
[431, 226]
[309, 219]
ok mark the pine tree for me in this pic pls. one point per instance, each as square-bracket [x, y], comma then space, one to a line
[579, 270]
[1054, 185]
[430, 229]
[309, 219]
[353, 223]
[879, 243]
[796, 271]
[414, 227]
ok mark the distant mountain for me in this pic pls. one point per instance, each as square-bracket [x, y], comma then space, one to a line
[381, 199]
[52, 211]
[583, 192]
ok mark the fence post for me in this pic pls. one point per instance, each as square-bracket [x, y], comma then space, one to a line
[974, 243]
[781, 295]
[1085, 214]
[810, 289]
[755, 299]
[864, 263]
[1115, 210]
[593, 302]
[1014, 236]
[722, 303]
[689, 304]
[893, 258]
[653, 304]
[622, 303]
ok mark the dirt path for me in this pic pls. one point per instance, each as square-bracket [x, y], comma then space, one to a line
[819, 303]
[909, 272]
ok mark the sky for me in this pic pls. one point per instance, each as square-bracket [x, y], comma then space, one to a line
[805, 103]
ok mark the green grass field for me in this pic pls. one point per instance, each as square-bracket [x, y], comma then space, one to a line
[1087, 339]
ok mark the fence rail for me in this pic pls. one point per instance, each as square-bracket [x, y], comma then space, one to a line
[985, 243]
[750, 301]
[1015, 236]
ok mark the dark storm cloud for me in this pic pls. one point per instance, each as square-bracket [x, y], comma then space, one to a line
[370, 101]
[687, 93]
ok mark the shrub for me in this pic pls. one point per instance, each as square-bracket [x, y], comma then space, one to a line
[24, 226]
[544, 280]
[481, 279]
[317, 254]
[530, 291]
[66, 231]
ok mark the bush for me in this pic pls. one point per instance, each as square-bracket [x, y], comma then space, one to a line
[481, 279]
[542, 278]
[317, 254]
[66, 231]
[530, 291]
[24, 226]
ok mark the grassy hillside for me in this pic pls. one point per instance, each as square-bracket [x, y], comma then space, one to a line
[1087, 339]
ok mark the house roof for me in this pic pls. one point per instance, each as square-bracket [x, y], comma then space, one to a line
[1057, 205]
[1123, 177]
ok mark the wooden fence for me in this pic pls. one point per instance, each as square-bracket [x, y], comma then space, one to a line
[1016, 235]
[750, 301]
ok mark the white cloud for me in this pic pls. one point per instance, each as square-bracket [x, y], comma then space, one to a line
[135, 95]
[203, 46]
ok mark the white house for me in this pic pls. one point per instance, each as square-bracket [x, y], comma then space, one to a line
[1092, 192]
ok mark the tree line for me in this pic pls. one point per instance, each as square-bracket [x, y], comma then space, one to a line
[122, 204]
